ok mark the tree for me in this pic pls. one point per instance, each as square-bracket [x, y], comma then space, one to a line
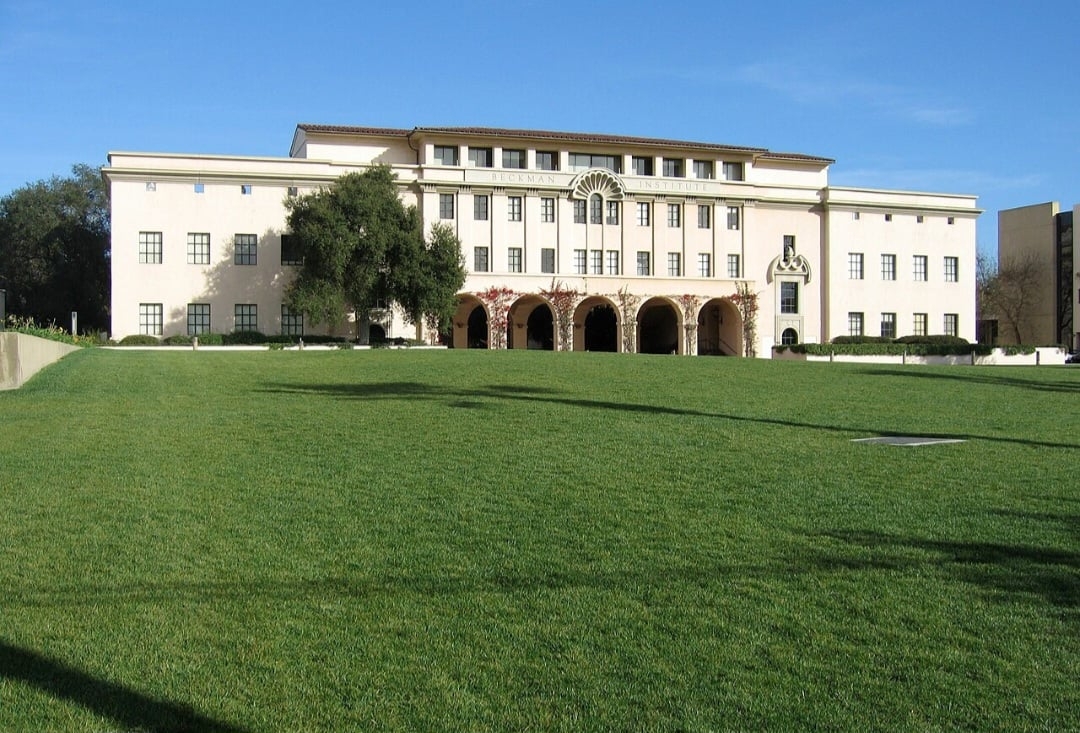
[54, 249]
[1011, 291]
[362, 247]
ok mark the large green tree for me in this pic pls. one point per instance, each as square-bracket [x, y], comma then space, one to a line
[54, 249]
[362, 247]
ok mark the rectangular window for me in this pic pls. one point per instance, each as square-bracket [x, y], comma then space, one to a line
[919, 219]
[596, 209]
[513, 259]
[918, 324]
[513, 208]
[888, 267]
[292, 191]
[149, 248]
[480, 205]
[673, 167]
[674, 264]
[855, 215]
[547, 160]
[547, 210]
[855, 324]
[547, 260]
[950, 220]
[888, 325]
[704, 264]
[596, 262]
[200, 187]
[734, 172]
[612, 212]
[292, 323]
[290, 253]
[919, 268]
[446, 154]
[198, 318]
[674, 215]
[643, 213]
[855, 266]
[888, 217]
[151, 318]
[733, 270]
[952, 268]
[643, 264]
[642, 166]
[703, 169]
[584, 161]
[480, 157]
[513, 159]
[733, 217]
[480, 259]
[579, 211]
[198, 248]
[446, 206]
[579, 262]
[952, 324]
[704, 216]
[245, 189]
[789, 297]
[246, 317]
[245, 249]
[613, 262]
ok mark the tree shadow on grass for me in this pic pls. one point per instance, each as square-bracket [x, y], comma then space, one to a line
[996, 378]
[122, 705]
[469, 398]
[1052, 574]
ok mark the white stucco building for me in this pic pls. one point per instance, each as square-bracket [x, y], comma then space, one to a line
[652, 234]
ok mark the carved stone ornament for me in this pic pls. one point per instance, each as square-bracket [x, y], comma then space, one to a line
[796, 265]
[597, 180]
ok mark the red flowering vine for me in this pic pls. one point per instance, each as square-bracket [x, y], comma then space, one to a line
[498, 302]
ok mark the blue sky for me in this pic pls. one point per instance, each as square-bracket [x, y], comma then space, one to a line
[956, 96]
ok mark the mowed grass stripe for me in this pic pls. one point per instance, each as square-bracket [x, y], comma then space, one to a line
[513, 540]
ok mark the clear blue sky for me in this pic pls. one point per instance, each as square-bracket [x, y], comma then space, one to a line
[952, 95]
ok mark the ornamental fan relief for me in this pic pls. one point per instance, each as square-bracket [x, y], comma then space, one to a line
[597, 181]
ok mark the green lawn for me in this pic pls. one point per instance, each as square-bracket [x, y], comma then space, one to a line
[462, 540]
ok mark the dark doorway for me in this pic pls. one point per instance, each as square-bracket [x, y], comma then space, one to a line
[540, 329]
[659, 330]
[478, 328]
[601, 329]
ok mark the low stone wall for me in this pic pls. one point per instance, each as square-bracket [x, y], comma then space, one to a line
[22, 356]
[997, 357]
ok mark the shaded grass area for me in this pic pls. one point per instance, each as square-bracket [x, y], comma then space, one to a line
[499, 540]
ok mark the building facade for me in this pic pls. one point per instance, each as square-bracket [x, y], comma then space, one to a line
[617, 243]
[1041, 235]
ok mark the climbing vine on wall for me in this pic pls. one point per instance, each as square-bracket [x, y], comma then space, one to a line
[689, 304]
[746, 300]
[497, 301]
[563, 300]
[627, 306]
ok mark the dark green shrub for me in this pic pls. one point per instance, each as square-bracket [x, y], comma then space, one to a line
[211, 339]
[861, 340]
[237, 338]
[139, 339]
[180, 339]
[937, 339]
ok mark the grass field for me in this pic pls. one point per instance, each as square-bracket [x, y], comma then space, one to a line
[405, 540]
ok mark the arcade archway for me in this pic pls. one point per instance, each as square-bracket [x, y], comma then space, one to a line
[658, 327]
[596, 325]
[719, 329]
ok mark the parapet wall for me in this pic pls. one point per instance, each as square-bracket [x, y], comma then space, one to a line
[22, 356]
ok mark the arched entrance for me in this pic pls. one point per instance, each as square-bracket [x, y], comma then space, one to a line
[596, 325]
[478, 329]
[470, 324]
[531, 325]
[720, 329]
[376, 333]
[789, 336]
[658, 327]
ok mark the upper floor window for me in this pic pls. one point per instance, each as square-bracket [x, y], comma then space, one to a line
[480, 157]
[643, 264]
[480, 204]
[855, 266]
[513, 259]
[198, 248]
[579, 262]
[290, 253]
[446, 206]
[674, 215]
[245, 189]
[446, 154]
[918, 264]
[888, 267]
[580, 206]
[245, 249]
[613, 262]
[513, 208]
[734, 172]
[674, 264]
[513, 159]
[150, 248]
[643, 213]
[704, 264]
[733, 266]
[596, 209]
[612, 212]
[480, 259]
[584, 161]
[596, 262]
[733, 217]
[704, 216]
[547, 160]
[789, 297]
[547, 210]
[703, 169]
[952, 269]
[673, 167]
[547, 260]
[643, 166]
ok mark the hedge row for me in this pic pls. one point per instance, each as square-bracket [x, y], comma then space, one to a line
[229, 339]
[896, 348]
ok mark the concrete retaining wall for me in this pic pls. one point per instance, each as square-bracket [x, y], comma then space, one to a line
[22, 356]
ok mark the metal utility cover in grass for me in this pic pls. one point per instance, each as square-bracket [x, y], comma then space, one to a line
[907, 440]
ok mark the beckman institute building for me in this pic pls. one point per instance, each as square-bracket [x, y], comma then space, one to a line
[651, 237]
